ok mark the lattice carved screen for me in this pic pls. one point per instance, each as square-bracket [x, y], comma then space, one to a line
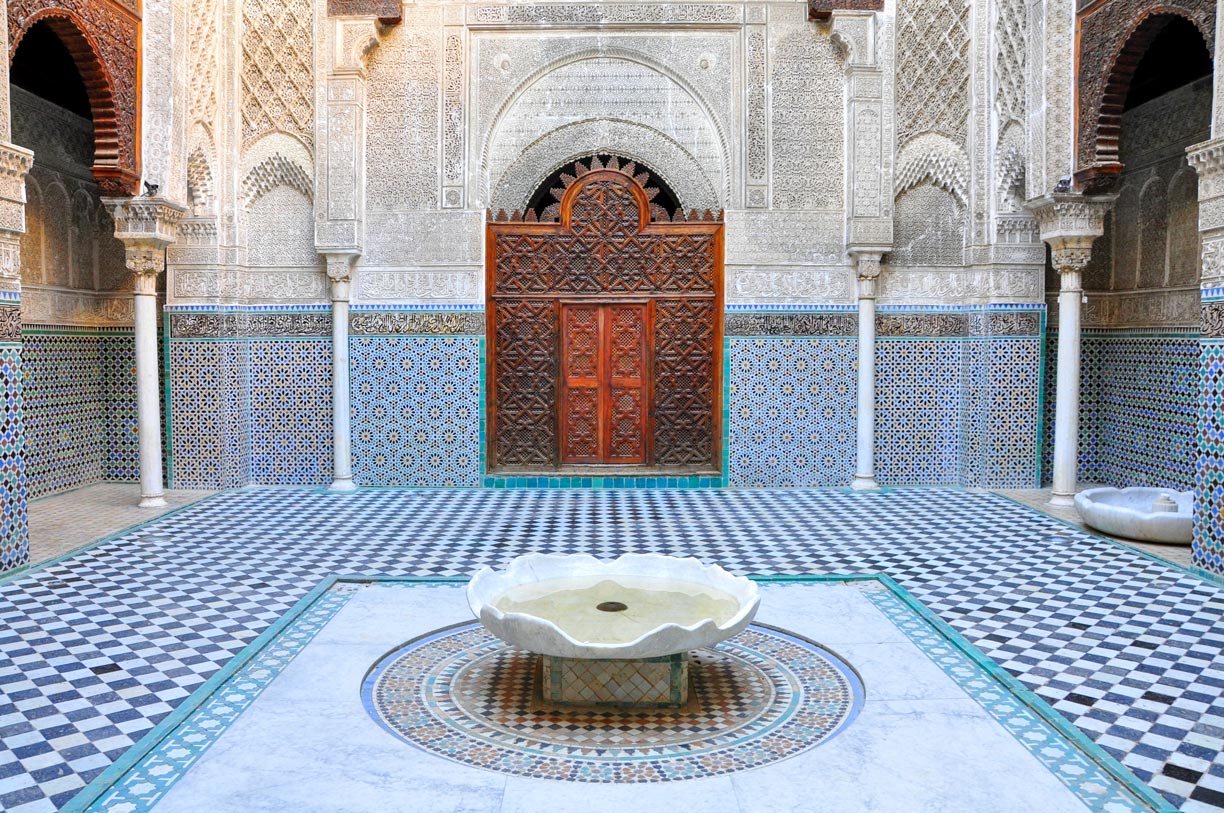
[600, 247]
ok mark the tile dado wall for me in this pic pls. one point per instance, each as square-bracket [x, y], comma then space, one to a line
[1138, 412]
[79, 388]
[1208, 547]
[14, 531]
[957, 396]
[417, 397]
[249, 396]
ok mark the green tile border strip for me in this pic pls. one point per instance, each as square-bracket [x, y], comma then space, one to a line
[150, 768]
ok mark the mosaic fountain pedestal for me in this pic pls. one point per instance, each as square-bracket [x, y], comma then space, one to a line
[370, 697]
[661, 682]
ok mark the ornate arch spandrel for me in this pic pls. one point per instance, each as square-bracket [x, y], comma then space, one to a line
[607, 243]
[101, 36]
[1113, 37]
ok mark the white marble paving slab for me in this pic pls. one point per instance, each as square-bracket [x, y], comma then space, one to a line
[307, 744]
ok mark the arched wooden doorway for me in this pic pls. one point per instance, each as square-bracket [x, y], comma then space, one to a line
[605, 330]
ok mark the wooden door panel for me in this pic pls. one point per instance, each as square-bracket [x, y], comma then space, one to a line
[627, 376]
[581, 385]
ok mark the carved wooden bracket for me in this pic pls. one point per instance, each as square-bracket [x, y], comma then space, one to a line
[821, 10]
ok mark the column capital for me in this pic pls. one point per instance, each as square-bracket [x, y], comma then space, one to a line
[145, 222]
[340, 273]
[1070, 219]
[866, 272]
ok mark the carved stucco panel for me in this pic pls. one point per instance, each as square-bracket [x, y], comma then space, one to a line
[423, 239]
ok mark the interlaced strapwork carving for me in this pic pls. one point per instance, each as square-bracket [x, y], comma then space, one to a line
[933, 52]
[684, 366]
[277, 72]
[597, 242]
[526, 393]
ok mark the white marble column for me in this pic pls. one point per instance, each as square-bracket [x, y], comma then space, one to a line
[146, 226]
[340, 276]
[867, 272]
[1069, 223]
[1068, 262]
[147, 267]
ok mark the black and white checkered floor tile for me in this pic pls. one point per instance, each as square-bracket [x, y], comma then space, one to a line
[95, 650]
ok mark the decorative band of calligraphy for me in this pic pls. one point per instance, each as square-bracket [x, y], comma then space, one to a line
[418, 323]
[1213, 320]
[10, 323]
[927, 325]
[249, 325]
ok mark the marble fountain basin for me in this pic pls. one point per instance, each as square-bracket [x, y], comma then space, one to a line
[1147, 514]
[634, 607]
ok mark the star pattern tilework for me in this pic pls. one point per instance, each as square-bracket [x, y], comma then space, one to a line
[416, 410]
[1208, 549]
[291, 411]
[14, 532]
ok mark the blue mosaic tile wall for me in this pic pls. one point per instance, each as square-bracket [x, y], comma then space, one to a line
[1138, 408]
[80, 408]
[418, 417]
[959, 406]
[1207, 551]
[14, 531]
[791, 412]
[210, 413]
[291, 411]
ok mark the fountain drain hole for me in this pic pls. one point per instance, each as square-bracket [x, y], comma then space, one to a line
[611, 607]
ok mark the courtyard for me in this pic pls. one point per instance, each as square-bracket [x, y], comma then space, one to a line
[101, 645]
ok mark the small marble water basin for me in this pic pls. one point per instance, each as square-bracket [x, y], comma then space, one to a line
[1147, 514]
[636, 606]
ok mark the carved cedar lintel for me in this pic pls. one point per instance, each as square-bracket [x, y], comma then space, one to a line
[821, 10]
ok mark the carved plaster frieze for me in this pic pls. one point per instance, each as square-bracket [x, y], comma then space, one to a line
[946, 285]
[46, 305]
[783, 237]
[404, 285]
[571, 14]
[423, 239]
[408, 323]
[788, 285]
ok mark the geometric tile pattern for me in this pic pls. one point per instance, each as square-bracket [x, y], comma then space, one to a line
[65, 411]
[291, 411]
[417, 412]
[96, 649]
[118, 363]
[1138, 409]
[919, 397]
[80, 413]
[792, 411]
[1002, 392]
[1208, 548]
[467, 696]
[14, 531]
[210, 413]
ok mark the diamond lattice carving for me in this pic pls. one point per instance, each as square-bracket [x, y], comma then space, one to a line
[1011, 43]
[933, 64]
[277, 79]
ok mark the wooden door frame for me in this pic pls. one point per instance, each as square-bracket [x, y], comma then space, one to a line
[697, 225]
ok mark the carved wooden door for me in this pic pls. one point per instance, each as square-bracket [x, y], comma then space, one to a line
[603, 383]
[605, 329]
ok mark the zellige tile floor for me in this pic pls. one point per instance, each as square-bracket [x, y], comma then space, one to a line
[96, 649]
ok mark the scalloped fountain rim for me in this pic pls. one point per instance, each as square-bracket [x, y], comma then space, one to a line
[1115, 516]
[544, 637]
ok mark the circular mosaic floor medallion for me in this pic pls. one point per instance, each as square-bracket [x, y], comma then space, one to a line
[763, 696]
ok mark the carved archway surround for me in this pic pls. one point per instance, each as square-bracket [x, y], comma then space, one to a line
[1113, 37]
[490, 185]
[604, 248]
[101, 36]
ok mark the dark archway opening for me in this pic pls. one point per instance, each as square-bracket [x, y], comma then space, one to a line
[1176, 56]
[543, 196]
[44, 66]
